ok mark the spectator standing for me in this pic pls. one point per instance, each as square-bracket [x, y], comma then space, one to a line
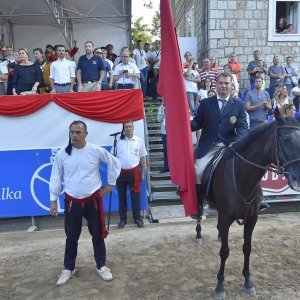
[110, 54]
[4, 53]
[131, 153]
[290, 80]
[295, 94]
[62, 73]
[27, 75]
[227, 69]
[208, 72]
[41, 61]
[90, 70]
[203, 92]
[108, 80]
[277, 75]
[155, 60]
[77, 167]
[161, 117]
[150, 66]
[187, 56]
[126, 73]
[142, 63]
[289, 111]
[3, 77]
[191, 79]
[254, 68]
[213, 64]
[258, 104]
[235, 65]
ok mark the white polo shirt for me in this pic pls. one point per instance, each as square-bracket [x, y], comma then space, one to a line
[62, 71]
[140, 58]
[129, 151]
[131, 68]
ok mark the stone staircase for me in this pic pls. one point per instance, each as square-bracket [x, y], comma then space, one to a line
[163, 191]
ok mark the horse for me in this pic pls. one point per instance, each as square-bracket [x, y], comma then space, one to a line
[235, 189]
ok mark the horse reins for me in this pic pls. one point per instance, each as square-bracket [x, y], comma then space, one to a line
[280, 170]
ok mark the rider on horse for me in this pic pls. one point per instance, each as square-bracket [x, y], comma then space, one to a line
[223, 121]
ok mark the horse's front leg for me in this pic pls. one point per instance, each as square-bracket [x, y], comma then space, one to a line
[248, 230]
[224, 253]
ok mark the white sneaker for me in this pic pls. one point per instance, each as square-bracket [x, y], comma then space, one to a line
[65, 276]
[105, 273]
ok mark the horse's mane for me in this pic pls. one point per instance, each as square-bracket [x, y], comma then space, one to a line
[248, 139]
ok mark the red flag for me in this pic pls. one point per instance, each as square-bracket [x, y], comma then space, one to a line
[172, 89]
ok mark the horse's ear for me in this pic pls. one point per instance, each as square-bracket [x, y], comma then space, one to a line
[277, 114]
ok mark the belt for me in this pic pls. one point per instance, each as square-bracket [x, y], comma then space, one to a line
[62, 84]
[92, 81]
[125, 84]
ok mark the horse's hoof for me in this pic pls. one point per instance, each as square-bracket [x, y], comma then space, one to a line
[220, 295]
[199, 241]
[250, 292]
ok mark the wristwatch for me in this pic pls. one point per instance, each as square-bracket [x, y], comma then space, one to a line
[99, 81]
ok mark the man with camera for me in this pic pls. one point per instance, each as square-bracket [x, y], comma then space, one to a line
[126, 73]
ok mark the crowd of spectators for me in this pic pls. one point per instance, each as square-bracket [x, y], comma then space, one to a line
[54, 70]
[260, 101]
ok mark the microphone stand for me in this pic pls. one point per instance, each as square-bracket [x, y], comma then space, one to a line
[110, 195]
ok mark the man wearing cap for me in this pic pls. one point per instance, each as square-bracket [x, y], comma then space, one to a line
[90, 70]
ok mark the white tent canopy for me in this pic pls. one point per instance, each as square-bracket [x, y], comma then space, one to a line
[35, 23]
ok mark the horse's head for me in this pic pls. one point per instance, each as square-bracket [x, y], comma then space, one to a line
[287, 149]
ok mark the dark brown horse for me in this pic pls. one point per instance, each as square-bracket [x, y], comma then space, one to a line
[235, 189]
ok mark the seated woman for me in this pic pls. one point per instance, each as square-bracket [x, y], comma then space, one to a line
[281, 98]
[27, 75]
[288, 110]
[281, 26]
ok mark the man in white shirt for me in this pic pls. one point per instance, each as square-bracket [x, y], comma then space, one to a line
[142, 63]
[131, 153]
[295, 95]
[77, 167]
[155, 61]
[62, 73]
[3, 77]
[126, 73]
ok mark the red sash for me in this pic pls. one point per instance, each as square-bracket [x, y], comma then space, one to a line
[98, 206]
[137, 178]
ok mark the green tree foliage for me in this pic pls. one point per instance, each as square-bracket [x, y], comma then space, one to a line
[155, 30]
[140, 31]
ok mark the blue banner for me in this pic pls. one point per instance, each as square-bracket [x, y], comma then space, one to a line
[24, 184]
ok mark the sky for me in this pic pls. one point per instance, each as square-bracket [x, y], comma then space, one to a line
[138, 10]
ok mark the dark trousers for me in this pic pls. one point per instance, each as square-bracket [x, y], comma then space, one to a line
[165, 151]
[124, 181]
[73, 226]
[144, 79]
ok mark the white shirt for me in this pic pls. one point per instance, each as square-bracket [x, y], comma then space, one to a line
[3, 69]
[79, 172]
[295, 89]
[156, 55]
[62, 70]
[202, 93]
[191, 86]
[130, 151]
[140, 58]
[131, 68]
[220, 102]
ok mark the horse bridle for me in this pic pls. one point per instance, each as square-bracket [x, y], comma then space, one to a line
[277, 151]
[278, 169]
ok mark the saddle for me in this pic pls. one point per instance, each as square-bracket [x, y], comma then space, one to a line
[209, 171]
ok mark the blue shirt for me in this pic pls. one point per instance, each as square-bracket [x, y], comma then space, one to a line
[90, 68]
[258, 115]
[107, 69]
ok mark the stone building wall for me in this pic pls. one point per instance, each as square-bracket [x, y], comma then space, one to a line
[238, 26]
